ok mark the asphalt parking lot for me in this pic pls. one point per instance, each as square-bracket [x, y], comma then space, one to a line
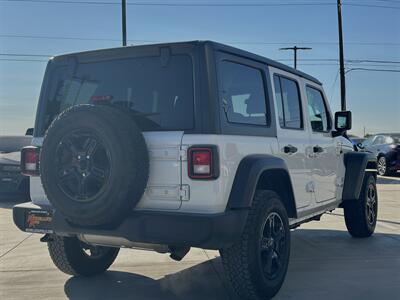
[326, 263]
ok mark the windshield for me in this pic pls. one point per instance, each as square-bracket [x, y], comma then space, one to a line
[368, 141]
[158, 93]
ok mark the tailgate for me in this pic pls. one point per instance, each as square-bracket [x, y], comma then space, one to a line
[164, 186]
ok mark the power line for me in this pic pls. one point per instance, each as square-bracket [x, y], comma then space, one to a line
[72, 38]
[18, 59]
[390, 1]
[178, 4]
[333, 60]
[373, 61]
[370, 5]
[373, 70]
[229, 42]
[300, 64]
[319, 65]
[206, 4]
[26, 55]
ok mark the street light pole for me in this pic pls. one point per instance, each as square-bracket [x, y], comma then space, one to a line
[123, 4]
[295, 49]
[341, 58]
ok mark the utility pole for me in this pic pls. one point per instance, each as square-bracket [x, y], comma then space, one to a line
[295, 49]
[123, 4]
[341, 58]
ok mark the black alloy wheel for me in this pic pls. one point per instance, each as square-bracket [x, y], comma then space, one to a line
[83, 165]
[382, 167]
[272, 246]
[371, 206]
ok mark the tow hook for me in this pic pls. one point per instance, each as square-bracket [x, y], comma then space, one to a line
[177, 253]
[46, 238]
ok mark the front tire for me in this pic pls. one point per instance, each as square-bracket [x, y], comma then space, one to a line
[76, 258]
[257, 264]
[361, 214]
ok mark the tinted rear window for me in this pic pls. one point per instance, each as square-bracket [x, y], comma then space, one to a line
[159, 93]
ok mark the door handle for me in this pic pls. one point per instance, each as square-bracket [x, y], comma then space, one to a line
[289, 149]
[318, 149]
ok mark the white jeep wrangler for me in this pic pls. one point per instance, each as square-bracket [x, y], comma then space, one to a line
[194, 144]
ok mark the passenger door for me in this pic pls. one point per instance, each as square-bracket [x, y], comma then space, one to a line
[325, 151]
[293, 139]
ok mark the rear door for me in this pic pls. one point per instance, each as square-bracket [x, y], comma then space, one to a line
[293, 137]
[325, 150]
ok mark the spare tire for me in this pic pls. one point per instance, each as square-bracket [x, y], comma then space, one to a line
[94, 164]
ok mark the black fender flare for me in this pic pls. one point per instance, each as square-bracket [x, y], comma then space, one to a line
[356, 164]
[247, 177]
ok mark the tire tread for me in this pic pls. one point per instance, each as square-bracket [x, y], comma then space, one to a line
[236, 260]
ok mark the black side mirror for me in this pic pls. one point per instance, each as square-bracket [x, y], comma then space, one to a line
[343, 121]
[29, 131]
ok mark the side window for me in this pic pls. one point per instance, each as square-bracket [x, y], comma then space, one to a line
[379, 140]
[242, 94]
[389, 140]
[319, 116]
[288, 103]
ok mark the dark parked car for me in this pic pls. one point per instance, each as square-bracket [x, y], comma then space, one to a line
[13, 185]
[386, 147]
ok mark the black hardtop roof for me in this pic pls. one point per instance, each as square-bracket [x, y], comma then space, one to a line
[215, 45]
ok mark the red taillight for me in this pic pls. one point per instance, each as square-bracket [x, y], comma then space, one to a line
[203, 162]
[30, 161]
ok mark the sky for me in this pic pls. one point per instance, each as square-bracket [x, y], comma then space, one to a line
[52, 27]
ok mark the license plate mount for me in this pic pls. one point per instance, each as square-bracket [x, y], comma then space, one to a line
[38, 221]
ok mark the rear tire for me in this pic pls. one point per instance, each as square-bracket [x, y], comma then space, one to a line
[382, 166]
[257, 264]
[361, 214]
[70, 256]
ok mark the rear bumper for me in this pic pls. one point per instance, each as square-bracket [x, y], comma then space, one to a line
[393, 160]
[208, 231]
